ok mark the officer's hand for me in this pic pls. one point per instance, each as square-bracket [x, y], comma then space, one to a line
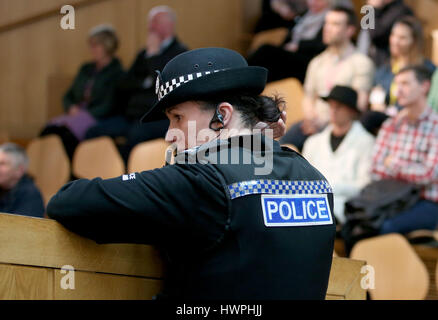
[73, 110]
[153, 44]
[276, 129]
[279, 127]
[291, 47]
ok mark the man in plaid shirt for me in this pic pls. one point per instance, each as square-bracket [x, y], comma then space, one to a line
[407, 149]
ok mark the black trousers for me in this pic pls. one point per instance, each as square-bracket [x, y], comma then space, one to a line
[69, 140]
[280, 63]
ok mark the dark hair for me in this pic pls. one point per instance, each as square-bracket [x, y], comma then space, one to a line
[297, 6]
[351, 15]
[253, 108]
[422, 73]
[416, 51]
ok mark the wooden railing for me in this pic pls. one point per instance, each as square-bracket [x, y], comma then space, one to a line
[37, 257]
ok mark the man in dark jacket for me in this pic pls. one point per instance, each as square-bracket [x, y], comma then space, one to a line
[136, 91]
[279, 14]
[238, 216]
[303, 43]
[18, 193]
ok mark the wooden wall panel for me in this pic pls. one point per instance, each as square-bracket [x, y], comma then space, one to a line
[25, 283]
[250, 15]
[40, 283]
[33, 53]
[426, 11]
[344, 281]
[37, 50]
[37, 283]
[98, 286]
[45, 243]
[12, 11]
[32, 252]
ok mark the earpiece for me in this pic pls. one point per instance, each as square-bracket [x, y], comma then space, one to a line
[218, 117]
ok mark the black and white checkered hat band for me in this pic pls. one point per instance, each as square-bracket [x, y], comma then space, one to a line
[164, 89]
[278, 187]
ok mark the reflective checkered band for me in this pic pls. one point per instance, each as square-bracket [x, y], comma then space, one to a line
[163, 89]
[241, 189]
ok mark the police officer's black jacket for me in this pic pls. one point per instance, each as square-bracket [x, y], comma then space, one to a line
[213, 222]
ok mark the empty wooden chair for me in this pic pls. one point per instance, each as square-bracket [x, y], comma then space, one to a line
[399, 272]
[291, 90]
[422, 236]
[48, 164]
[148, 155]
[97, 157]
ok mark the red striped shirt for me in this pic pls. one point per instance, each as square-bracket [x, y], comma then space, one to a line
[413, 147]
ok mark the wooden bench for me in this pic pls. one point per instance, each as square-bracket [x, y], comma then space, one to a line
[36, 256]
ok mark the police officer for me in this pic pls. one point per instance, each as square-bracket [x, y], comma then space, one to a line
[238, 216]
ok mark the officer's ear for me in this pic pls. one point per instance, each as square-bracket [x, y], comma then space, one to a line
[226, 110]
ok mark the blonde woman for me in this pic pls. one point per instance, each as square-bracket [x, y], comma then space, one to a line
[90, 97]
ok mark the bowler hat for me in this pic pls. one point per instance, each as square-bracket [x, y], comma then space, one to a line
[345, 95]
[202, 73]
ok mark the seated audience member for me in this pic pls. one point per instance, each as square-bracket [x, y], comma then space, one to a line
[90, 98]
[136, 91]
[343, 151]
[343, 3]
[375, 42]
[279, 14]
[302, 44]
[18, 193]
[373, 120]
[339, 64]
[407, 150]
[433, 94]
[406, 47]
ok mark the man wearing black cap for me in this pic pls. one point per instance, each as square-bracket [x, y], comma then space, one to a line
[343, 151]
[238, 217]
